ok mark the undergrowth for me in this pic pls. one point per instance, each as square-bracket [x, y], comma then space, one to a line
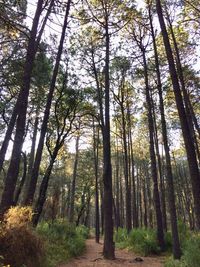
[50, 244]
[19, 244]
[62, 241]
[142, 241]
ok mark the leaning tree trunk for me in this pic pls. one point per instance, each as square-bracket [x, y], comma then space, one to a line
[16, 109]
[190, 116]
[189, 145]
[23, 179]
[13, 170]
[42, 192]
[31, 157]
[169, 175]
[34, 177]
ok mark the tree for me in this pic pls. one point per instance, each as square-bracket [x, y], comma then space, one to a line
[189, 145]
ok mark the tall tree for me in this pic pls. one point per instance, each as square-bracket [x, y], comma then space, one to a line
[13, 170]
[189, 145]
[34, 175]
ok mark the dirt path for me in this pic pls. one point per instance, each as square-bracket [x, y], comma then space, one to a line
[93, 258]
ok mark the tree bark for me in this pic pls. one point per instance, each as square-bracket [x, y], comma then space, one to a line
[189, 145]
[73, 188]
[13, 170]
[34, 176]
[108, 248]
[160, 233]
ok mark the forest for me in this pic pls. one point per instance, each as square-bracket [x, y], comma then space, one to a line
[99, 131]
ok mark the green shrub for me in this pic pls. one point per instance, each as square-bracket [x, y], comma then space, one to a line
[121, 238]
[184, 233]
[143, 241]
[83, 231]
[175, 263]
[191, 253]
[63, 241]
[168, 241]
[57, 230]
[120, 235]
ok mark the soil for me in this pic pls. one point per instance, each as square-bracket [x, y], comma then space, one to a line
[93, 258]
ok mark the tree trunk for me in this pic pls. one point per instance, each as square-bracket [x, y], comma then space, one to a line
[169, 175]
[36, 166]
[126, 174]
[13, 170]
[17, 105]
[31, 159]
[189, 145]
[108, 248]
[96, 163]
[23, 179]
[73, 188]
[160, 233]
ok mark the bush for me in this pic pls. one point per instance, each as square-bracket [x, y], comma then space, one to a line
[83, 231]
[191, 253]
[19, 244]
[184, 233]
[121, 238]
[63, 241]
[18, 216]
[168, 241]
[175, 263]
[143, 241]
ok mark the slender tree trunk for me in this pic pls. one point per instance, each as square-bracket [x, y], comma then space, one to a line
[126, 174]
[73, 188]
[162, 187]
[189, 145]
[7, 137]
[17, 109]
[13, 170]
[108, 248]
[36, 166]
[96, 163]
[42, 193]
[117, 185]
[31, 159]
[169, 175]
[160, 233]
[23, 179]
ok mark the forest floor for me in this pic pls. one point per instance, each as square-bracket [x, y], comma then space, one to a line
[93, 258]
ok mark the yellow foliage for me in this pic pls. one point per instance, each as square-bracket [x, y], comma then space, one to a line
[18, 216]
[19, 243]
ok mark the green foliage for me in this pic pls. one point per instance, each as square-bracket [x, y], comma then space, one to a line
[191, 255]
[174, 263]
[168, 241]
[121, 238]
[184, 232]
[143, 241]
[63, 241]
[83, 231]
